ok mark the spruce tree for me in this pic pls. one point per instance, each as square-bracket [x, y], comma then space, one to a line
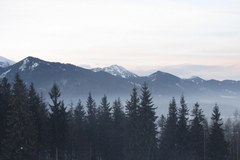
[104, 129]
[217, 143]
[118, 140]
[236, 136]
[80, 136]
[168, 144]
[91, 127]
[58, 123]
[162, 127]
[182, 131]
[5, 96]
[39, 120]
[229, 131]
[197, 135]
[132, 127]
[70, 135]
[148, 129]
[20, 140]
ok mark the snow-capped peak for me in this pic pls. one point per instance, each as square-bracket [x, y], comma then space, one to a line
[4, 62]
[29, 63]
[24, 64]
[116, 70]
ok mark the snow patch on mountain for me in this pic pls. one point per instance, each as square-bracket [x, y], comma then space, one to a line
[24, 65]
[4, 62]
[154, 79]
[195, 79]
[30, 64]
[97, 69]
[34, 66]
[179, 86]
[4, 74]
[116, 70]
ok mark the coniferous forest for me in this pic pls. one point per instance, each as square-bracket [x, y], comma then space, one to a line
[32, 129]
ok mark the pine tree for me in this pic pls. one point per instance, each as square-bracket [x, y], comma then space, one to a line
[70, 135]
[162, 127]
[43, 129]
[217, 144]
[80, 136]
[236, 136]
[21, 135]
[39, 120]
[5, 96]
[104, 129]
[91, 127]
[118, 140]
[182, 145]
[58, 123]
[197, 135]
[229, 133]
[148, 129]
[133, 135]
[168, 144]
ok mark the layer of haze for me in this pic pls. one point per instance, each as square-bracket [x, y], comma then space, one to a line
[185, 37]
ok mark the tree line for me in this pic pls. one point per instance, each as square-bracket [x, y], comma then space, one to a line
[31, 129]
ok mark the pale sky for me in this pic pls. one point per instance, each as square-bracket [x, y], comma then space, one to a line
[186, 38]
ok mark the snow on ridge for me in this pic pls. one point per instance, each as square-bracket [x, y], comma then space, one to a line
[29, 64]
[154, 79]
[97, 69]
[4, 62]
[116, 70]
[24, 65]
[4, 74]
[179, 86]
[34, 66]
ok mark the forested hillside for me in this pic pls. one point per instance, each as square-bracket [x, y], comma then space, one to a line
[32, 129]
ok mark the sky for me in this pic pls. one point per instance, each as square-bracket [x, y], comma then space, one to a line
[186, 38]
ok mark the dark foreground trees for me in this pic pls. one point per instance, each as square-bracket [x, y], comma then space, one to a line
[20, 138]
[217, 144]
[197, 136]
[148, 128]
[5, 94]
[58, 124]
[32, 130]
[167, 146]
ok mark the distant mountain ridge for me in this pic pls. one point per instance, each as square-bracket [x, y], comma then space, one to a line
[116, 70]
[4, 62]
[114, 81]
[73, 80]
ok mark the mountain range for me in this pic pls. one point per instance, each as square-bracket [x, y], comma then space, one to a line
[114, 81]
